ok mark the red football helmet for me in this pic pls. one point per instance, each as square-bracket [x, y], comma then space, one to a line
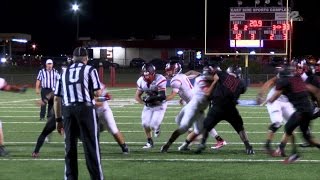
[148, 72]
[173, 68]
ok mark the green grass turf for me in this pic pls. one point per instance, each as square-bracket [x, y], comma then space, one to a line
[21, 125]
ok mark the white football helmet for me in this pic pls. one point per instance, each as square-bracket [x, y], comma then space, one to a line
[173, 68]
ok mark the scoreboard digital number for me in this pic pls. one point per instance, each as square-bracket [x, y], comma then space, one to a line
[258, 24]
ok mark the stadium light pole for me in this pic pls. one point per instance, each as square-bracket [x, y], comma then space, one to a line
[75, 9]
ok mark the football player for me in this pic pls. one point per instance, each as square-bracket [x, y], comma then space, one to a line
[298, 92]
[224, 100]
[193, 112]
[279, 111]
[182, 86]
[107, 121]
[4, 86]
[153, 85]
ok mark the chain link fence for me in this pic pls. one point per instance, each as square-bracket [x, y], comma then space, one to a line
[122, 77]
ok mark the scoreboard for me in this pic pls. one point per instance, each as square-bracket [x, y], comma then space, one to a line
[251, 26]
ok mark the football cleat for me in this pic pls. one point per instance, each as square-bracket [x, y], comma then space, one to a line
[3, 151]
[125, 149]
[306, 144]
[279, 153]
[184, 147]
[268, 149]
[249, 150]
[219, 145]
[164, 148]
[147, 146]
[291, 159]
[201, 147]
[35, 155]
[23, 89]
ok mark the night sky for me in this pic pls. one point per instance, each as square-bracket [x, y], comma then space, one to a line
[52, 23]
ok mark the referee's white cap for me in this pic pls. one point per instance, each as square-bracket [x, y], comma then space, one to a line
[49, 61]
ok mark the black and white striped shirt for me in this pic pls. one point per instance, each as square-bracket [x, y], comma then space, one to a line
[47, 78]
[78, 83]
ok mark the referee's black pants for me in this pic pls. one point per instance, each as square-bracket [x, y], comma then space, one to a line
[44, 93]
[80, 121]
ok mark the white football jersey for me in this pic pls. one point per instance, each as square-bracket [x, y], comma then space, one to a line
[158, 84]
[181, 84]
[200, 83]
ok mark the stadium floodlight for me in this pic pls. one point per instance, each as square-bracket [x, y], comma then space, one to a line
[75, 7]
[267, 1]
[239, 2]
[34, 46]
[257, 2]
[180, 52]
[280, 3]
[3, 60]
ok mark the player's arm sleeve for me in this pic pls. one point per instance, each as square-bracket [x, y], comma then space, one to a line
[137, 96]
[139, 91]
[162, 85]
[314, 91]
[280, 85]
[265, 87]
[175, 85]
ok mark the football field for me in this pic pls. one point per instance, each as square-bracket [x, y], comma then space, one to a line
[20, 119]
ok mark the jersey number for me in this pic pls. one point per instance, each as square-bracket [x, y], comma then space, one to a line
[74, 74]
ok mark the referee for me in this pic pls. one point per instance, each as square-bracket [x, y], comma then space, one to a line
[46, 80]
[76, 89]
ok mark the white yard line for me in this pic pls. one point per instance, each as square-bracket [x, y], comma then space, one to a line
[226, 132]
[143, 142]
[128, 123]
[244, 117]
[170, 160]
[115, 90]
[18, 101]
